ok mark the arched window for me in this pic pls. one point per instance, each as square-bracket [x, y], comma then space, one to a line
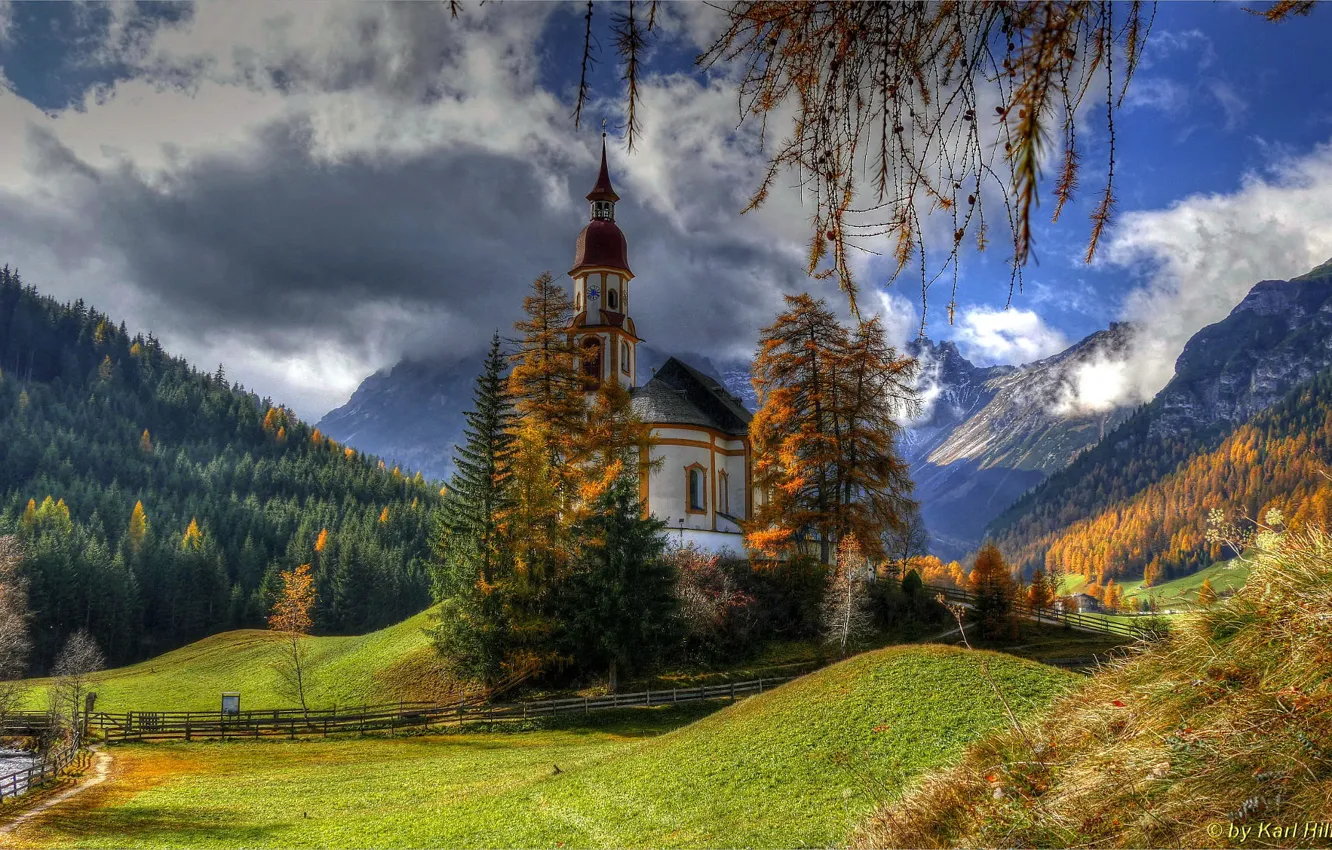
[578, 302]
[724, 492]
[591, 357]
[612, 299]
[624, 357]
[696, 500]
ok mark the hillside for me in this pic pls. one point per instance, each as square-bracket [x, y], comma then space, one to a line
[991, 434]
[395, 663]
[796, 766]
[1277, 338]
[1224, 724]
[94, 420]
[1273, 461]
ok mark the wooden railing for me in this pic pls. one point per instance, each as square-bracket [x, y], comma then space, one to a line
[51, 765]
[1074, 620]
[189, 725]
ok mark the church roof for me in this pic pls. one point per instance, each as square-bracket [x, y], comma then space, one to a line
[601, 244]
[681, 395]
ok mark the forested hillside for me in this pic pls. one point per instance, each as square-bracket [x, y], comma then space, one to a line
[1274, 341]
[1275, 460]
[156, 503]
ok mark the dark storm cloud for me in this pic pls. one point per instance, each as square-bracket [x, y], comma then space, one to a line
[295, 237]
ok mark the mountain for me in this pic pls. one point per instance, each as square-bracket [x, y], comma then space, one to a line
[412, 413]
[1277, 339]
[989, 434]
[94, 421]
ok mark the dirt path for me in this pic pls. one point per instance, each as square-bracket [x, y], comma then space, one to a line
[100, 768]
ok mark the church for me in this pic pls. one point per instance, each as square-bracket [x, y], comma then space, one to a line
[702, 488]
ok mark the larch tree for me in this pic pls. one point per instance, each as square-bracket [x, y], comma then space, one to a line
[544, 383]
[825, 434]
[903, 110]
[1040, 594]
[138, 528]
[291, 620]
[846, 614]
[1206, 595]
[991, 583]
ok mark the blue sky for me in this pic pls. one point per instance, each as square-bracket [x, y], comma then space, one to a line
[311, 192]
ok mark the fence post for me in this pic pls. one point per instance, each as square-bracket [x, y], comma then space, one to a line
[760, 684]
[585, 708]
[649, 697]
[733, 692]
[675, 695]
[187, 728]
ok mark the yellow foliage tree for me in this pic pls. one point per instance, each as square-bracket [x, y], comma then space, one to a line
[193, 537]
[30, 514]
[146, 442]
[138, 527]
[291, 620]
[384, 515]
[322, 540]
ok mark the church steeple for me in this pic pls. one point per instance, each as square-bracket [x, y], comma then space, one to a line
[602, 327]
[603, 195]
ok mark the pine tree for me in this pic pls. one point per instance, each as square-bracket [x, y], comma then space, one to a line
[618, 606]
[480, 491]
[473, 566]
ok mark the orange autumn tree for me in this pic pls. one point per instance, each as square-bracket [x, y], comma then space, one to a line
[291, 620]
[825, 435]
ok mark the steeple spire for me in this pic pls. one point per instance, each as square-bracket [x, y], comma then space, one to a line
[603, 191]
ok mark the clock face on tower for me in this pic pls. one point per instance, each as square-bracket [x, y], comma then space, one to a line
[593, 293]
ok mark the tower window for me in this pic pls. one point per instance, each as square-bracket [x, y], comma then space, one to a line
[624, 357]
[603, 210]
[578, 302]
[697, 499]
[612, 299]
[724, 492]
[592, 358]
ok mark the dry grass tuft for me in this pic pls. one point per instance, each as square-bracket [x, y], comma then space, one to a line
[1227, 721]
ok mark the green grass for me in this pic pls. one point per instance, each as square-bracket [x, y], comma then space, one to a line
[797, 766]
[1225, 576]
[390, 664]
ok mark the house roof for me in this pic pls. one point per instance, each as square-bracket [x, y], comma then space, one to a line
[679, 394]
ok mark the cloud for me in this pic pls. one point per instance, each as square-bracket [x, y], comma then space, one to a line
[309, 192]
[1232, 104]
[1096, 386]
[987, 336]
[1200, 256]
[6, 21]
[1160, 93]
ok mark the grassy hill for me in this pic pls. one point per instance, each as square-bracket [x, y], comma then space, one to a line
[1225, 576]
[796, 766]
[382, 666]
[1224, 725]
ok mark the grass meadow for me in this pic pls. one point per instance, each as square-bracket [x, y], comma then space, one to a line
[797, 766]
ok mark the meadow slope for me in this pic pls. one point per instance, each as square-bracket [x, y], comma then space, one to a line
[383, 666]
[796, 766]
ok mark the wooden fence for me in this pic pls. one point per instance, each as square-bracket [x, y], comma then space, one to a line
[49, 767]
[191, 725]
[1074, 620]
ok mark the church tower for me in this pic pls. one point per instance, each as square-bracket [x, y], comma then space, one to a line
[602, 330]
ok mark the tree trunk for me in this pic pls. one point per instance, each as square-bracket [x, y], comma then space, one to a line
[613, 682]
